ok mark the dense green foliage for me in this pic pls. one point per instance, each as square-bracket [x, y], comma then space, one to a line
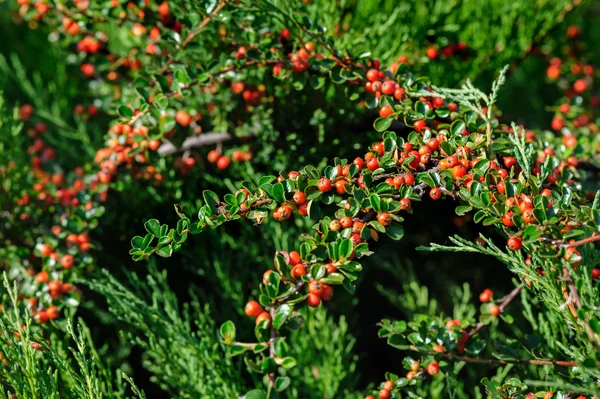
[115, 116]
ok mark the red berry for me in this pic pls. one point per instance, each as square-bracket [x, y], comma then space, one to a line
[253, 309]
[432, 53]
[67, 261]
[183, 118]
[515, 243]
[458, 172]
[384, 394]
[433, 368]
[486, 295]
[494, 310]
[372, 164]
[433, 144]
[435, 193]
[385, 111]
[385, 219]
[313, 300]
[298, 271]
[509, 162]
[580, 86]
[315, 287]
[595, 273]
[263, 316]
[294, 258]
[299, 197]
[419, 125]
[223, 162]
[388, 87]
[405, 204]
[372, 75]
[324, 184]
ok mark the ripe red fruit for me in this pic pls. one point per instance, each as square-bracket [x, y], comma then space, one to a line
[433, 144]
[388, 87]
[324, 184]
[253, 309]
[303, 209]
[313, 300]
[384, 394]
[52, 312]
[595, 273]
[327, 293]
[433, 368]
[514, 243]
[580, 86]
[405, 204]
[432, 53]
[183, 118]
[458, 172]
[435, 193]
[294, 258]
[42, 277]
[379, 148]
[340, 186]
[88, 70]
[315, 287]
[494, 310]
[299, 197]
[486, 295]
[372, 75]
[385, 111]
[385, 219]
[67, 261]
[438, 349]
[419, 125]
[284, 212]
[45, 250]
[263, 316]
[509, 162]
[298, 271]
[213, 156]
[359, 162]
[372, 164]
[507, 219]
[223, 162]
[346, 222]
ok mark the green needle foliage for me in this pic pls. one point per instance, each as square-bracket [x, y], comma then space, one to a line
[413, 187]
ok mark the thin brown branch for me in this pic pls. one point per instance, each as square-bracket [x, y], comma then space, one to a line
[532, 362]
[194, 32]
[202, 140]
[504, 303]
[562, 244]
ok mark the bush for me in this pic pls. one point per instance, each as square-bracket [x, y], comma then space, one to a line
[336, 130]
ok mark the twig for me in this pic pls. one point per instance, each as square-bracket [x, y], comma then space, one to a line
[192, 35]
[505, 302]
[202, 140]
[532, 362]
[561, 244]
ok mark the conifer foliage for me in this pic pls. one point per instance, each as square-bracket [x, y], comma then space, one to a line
[274, 157]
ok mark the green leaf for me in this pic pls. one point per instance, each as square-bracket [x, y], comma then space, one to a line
[395, 231]
[462, 209]
[281, 383]
[211, 199]
[255, 394]
[375, 202]
[382, 124]
[125, 111]
[278, 192]
[281, 315]
[227, 332]
[153, 227]
[137, 242]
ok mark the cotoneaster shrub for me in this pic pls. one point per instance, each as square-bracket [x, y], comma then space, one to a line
[261, 101]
